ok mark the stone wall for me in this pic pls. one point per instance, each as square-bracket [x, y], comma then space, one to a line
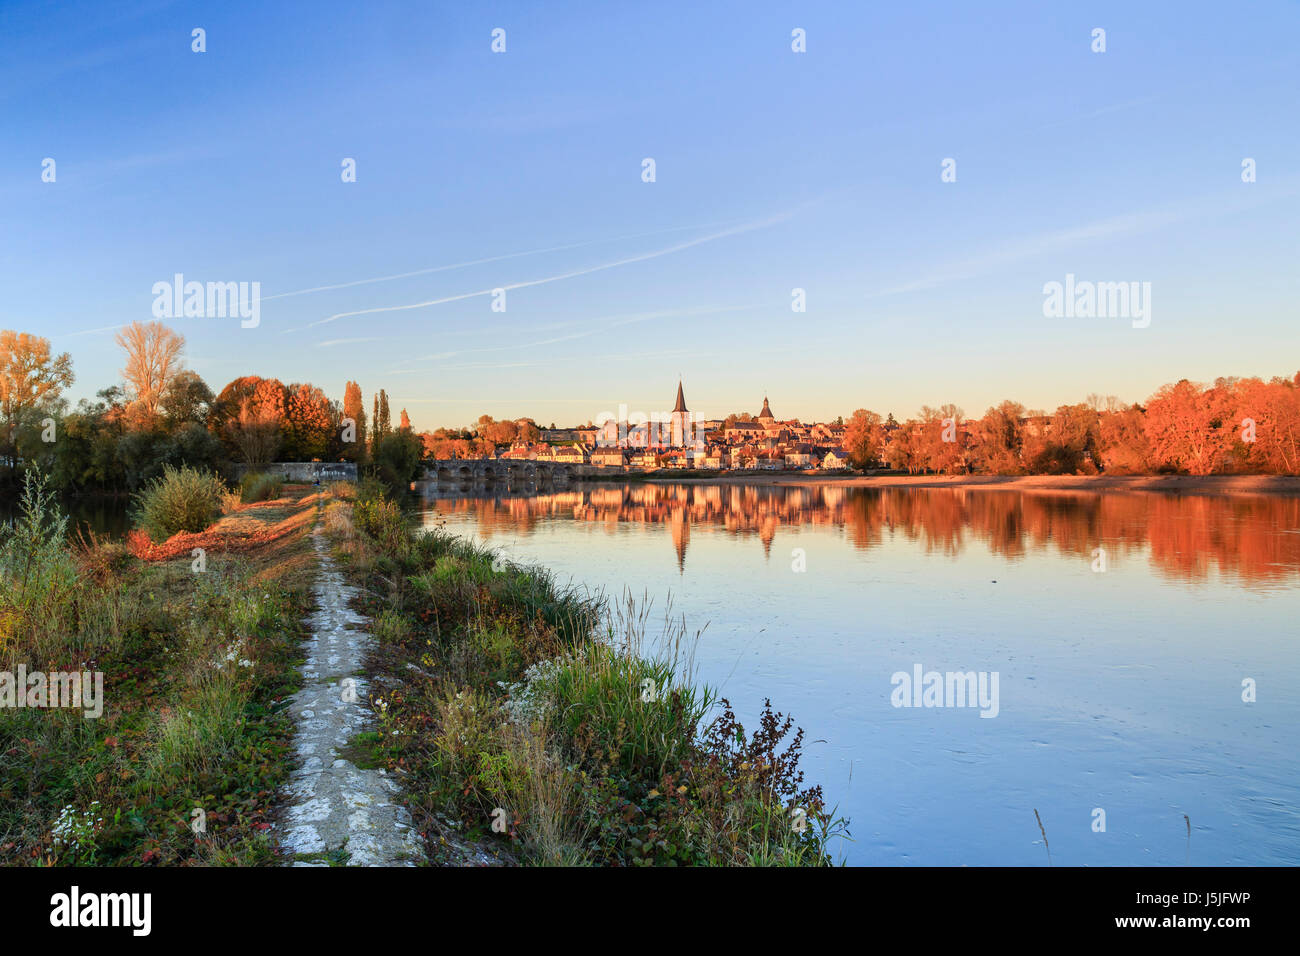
[305, 471]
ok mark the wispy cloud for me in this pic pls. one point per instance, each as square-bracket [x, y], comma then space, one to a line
[104, 328]
[330, 343]
[1012, 251]
[574, 273]
[478, 262]
[1103, 111]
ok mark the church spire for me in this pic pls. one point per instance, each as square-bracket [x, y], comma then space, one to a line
[681, 399]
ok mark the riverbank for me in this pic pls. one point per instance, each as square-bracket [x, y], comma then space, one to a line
[196, 651]
[534, 724]
[1180, 484]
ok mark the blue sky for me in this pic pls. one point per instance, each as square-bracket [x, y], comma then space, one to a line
[774, 170]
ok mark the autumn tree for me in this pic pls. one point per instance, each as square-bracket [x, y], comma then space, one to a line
[940, 444]
[1071, 445]
[902, 453]
[354, 412]
[1267, 423]
[307, 423]
[527, 430]
[248, 415]
[496, 433]
[1189, 427]
[153, 359]
[864, 438]
[29, 373]
[998, 438]
[1123, 446]
[405, 424]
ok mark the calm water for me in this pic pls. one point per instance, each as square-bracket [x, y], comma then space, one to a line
[1120, 690]
[106, 516]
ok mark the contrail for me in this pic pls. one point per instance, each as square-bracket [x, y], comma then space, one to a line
[678, 247]
[477, 262]
[600, 326]
[105, 328]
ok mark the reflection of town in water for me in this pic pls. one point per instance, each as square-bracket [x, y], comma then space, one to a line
[1253, 538]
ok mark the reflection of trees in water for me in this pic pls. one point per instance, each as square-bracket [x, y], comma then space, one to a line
[1254, 536]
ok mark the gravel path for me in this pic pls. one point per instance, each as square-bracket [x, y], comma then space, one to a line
[331, 804]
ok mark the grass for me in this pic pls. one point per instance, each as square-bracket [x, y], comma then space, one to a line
[197, 671]
[549, 726]
[260, 486]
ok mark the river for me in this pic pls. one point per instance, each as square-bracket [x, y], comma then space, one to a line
[1124, 630]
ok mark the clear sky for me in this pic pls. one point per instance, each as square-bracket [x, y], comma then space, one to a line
[774, 170]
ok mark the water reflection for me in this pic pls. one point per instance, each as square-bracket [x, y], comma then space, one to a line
[1254, 538]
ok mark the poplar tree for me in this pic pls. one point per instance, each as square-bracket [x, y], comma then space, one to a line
[353, 409]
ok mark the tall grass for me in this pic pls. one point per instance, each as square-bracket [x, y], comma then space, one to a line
[200, 737]
[37, 574]
[194, 667]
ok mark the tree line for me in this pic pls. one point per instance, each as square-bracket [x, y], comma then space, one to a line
[1233, 426]
[163, 413]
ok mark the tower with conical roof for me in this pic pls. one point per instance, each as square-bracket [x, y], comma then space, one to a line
[766, 414]
[680, 420]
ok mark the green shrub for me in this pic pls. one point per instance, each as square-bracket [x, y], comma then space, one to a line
[398, 459]
[384, 522]
[260, 486]
[183, 499]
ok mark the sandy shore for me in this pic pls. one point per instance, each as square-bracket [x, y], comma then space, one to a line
[1182, 484]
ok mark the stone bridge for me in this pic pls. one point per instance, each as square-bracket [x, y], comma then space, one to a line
[451, 475]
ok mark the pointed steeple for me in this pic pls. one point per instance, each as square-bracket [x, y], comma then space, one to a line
[767, 411]
[681, 399]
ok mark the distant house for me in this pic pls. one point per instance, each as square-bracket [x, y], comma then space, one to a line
[743, 431]
[569, 454]
[1037, 425]
[609, 457]
[836, 459]
[524, 451]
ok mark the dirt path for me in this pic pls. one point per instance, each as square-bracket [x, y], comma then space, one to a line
[335, 811]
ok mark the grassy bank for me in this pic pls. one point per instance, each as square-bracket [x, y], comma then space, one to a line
[197, 656]
[548, 727]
